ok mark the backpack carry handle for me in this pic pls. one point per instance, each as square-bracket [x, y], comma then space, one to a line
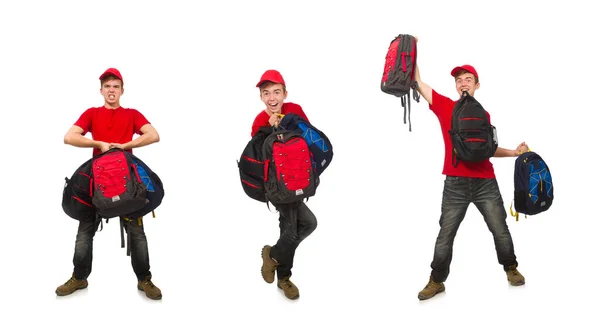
[271, 113]
[111, 150]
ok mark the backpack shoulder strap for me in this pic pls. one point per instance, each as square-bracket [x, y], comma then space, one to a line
[405, 100]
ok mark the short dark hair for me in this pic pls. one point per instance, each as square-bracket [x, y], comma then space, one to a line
[462, 71]
[110, 77]
[267, 84]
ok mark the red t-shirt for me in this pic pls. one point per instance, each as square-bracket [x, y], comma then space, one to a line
[262, 119]
[111, 125]
[442, 107]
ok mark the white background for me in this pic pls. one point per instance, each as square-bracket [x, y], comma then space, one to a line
[192, 69]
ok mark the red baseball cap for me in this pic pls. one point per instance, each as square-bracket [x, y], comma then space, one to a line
[271, 75]
[112, 71]
[467, 68]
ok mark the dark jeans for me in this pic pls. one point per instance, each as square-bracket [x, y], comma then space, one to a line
[82, 260]
[296, 222]
[459, 192]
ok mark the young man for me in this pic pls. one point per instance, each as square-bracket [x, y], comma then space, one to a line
[111, 126]
[467, 183]
[296, 221]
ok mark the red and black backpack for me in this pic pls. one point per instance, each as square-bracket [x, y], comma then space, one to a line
[318, 143]
[117, 186]
[399, 71]
[289, 169]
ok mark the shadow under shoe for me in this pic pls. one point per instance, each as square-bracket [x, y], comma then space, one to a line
[289, 289]
[431, 289]
[151, 290]
[71, 286]
[515, 278]
[269, 265]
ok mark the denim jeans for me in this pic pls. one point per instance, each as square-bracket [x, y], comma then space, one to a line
[459, 192]
[296, 222]
[82, 259]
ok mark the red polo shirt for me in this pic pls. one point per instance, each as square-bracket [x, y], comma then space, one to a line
[111, 125]
[262, 119]
[442, 107]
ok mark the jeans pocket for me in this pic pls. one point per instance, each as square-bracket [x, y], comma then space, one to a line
[451, 179]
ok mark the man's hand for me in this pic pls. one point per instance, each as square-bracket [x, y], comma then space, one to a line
[522, 148]
[104, 147]
[274, 119]
[117, 145]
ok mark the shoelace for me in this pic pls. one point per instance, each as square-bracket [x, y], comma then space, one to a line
[71, 280]
[287, 283]
[149, 283]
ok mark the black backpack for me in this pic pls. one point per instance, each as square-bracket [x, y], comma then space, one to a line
[473, 137]
[77, 194]
[534, 189]
[251, 166]
[399, 71]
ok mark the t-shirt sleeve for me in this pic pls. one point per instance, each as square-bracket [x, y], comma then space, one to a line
[85, 121]
[139, 120]
[262, 119]
[438, 102]
[297, 109]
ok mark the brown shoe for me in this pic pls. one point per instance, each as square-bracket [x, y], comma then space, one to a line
[269, 265]
[71, 286]
[515, 278]
[289, 289]
[431, 289]
[152, 292]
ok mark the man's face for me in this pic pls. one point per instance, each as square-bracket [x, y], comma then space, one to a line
[466, 82]
[112, 91]
[273, 97]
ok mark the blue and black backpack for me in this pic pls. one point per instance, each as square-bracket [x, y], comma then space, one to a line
[318, 143]
[534, 190]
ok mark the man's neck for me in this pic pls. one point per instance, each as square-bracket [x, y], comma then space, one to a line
[112, 106]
